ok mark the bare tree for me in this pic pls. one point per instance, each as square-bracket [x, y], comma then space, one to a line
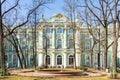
[101, 16]
[71, 8]
[5, 10]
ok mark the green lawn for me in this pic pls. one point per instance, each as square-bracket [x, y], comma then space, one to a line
[58, 78]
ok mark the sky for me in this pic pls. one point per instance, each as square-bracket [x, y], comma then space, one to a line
[55, 7]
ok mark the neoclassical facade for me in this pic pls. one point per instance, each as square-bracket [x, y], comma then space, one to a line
[56, 35]
[55, 44]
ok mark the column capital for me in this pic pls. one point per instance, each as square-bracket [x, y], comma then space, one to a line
[77, 52]
[65, 52]
[40, 52]
[78, 28]
[40, 29]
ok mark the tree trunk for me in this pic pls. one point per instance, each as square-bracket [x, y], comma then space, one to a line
[105, 53]
[3, 65]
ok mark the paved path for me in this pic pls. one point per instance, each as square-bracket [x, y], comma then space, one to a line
[57, 73]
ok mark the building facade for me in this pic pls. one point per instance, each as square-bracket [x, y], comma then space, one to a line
[55, 44]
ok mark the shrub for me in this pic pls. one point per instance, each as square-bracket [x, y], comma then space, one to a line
[40, 67]
[6, 73]
[83, 68]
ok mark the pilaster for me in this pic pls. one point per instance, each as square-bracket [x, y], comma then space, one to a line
[53, 59]
[65, 37]
[40, 37]
[40, 58]
[78, 59]
[65, 59]
[53, 37]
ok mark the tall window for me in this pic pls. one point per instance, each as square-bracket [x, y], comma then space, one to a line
[59, 30]
[14, 61]
[59, 43]
[87, 45]
[70, 43]
[48, 30]
[48, 59]
[70, 30]
[87, 36]
[59, 60]
[71, 60]
[48, 43]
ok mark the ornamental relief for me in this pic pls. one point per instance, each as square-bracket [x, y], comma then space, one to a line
[49, 36]
[70, 37]
[59, 36]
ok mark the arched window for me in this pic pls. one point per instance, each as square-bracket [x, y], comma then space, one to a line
[48, 59]
[70, 43]
[48, 30]
[59, 30]
[71, 60]
[59, 60]
[70, 30]
[59, 43]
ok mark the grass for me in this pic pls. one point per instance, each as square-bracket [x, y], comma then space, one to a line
[57, 78]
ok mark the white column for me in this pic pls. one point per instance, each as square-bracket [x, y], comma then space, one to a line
[65, 60]
[65, 37]
[40, 59]
[77, 39]
[53, 59]
[77, 60]
[40, 42]
[53, 37]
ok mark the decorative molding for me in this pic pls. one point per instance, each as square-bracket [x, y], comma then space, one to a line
[65, 28]
[59, 36]
[40, 29]
[70, 37]
[40, 52]
[77, 52]
[53, 52]
[53, 28]
[77, 28]
[65, 52]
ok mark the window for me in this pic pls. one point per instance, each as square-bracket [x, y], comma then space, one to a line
[59, 30]
[59, 60]
[70, 30]
[86, 36]
[48, 43]
[48, 59]
[14, 61]
[59, 43]
[71, 60]
[48, 30]
[70, 43]
[87, 45]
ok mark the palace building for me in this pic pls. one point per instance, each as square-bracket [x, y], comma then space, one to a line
[55, 44]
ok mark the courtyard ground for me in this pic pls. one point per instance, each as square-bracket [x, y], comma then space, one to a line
[56, 74]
